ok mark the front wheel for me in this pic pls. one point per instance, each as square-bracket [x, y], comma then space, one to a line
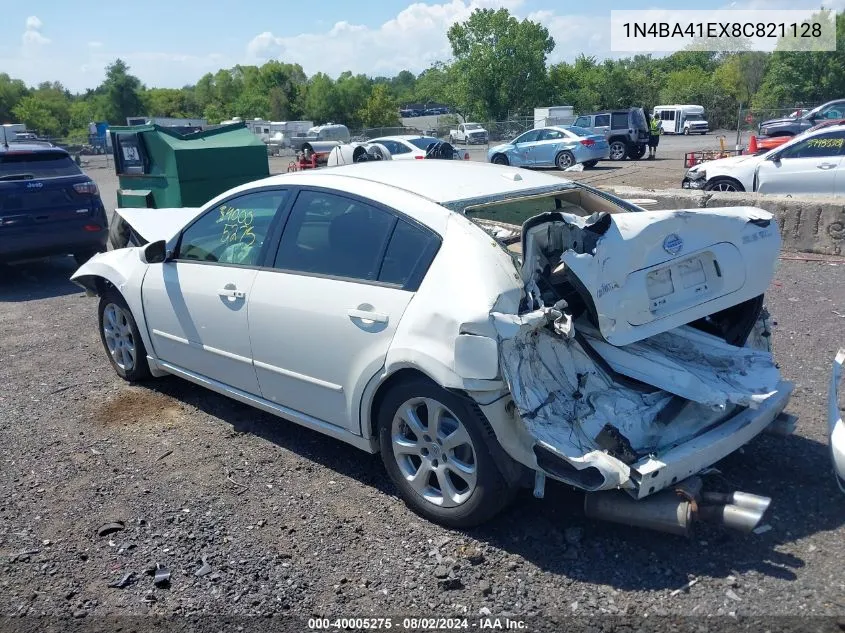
[723, 184]
[121, 338]
[564, 160]
[686, 131]
[500, 159]
[433, 447]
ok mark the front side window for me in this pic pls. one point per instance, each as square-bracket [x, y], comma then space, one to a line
[233, 232]
[529, 137]
[582, 121]
[602, 120]
[328, 234]
[820, 146]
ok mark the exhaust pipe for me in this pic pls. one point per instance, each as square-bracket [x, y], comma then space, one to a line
[676, 512]
[664, 512]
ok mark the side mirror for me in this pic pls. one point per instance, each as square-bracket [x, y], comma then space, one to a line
[154, 253]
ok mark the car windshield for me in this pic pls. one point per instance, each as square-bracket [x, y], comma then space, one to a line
[37, 164]
[423, 141]
[694, 117]
[472, 126]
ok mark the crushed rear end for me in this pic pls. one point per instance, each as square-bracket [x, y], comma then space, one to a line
[640, 357]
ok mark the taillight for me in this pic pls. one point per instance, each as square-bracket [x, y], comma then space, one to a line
[418, 157]
[92, 228]
[86, 188]
[466, 156]
[588, 142]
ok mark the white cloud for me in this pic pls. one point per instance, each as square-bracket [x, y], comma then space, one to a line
[414, 39]
[32, 38]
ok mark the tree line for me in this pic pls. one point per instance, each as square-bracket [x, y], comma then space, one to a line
[498, 71]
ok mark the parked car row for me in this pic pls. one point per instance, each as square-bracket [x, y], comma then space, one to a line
[406, 113]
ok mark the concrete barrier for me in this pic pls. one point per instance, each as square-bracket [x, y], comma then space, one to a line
[809, 224]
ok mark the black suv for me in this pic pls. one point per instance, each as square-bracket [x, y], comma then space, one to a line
[48, 206]
[792, 126]
[626, 131]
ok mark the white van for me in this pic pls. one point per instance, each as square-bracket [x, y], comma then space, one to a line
[681, 119]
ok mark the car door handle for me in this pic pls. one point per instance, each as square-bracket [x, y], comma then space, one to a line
[826, 165]
[366, 315]
[232, 293]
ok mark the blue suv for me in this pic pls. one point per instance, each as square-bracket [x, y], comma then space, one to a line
[48, 206]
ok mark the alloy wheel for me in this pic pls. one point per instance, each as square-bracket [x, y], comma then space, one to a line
[120, 341]
[617, 150]
[434, 452]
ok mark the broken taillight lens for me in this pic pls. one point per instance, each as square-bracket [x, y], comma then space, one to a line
[86, 188]
[588, 142]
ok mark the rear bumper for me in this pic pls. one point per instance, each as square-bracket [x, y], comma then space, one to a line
[63, 238]
[588, 154]
[658, 472]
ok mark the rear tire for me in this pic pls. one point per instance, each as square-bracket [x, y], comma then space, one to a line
[618, 150]
[637, 152]
[564, 160]
[433, 445]
[121, 338]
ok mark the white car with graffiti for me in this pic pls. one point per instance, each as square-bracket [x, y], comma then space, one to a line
[808, 164]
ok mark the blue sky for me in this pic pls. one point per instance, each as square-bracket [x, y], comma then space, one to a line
[170, 43]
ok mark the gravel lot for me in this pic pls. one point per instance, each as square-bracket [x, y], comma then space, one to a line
[294, 523]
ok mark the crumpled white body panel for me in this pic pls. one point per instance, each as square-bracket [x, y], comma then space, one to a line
[696, 366]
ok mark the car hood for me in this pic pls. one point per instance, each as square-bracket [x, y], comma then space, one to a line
[158, 224]
[782, 121]
[727, 163]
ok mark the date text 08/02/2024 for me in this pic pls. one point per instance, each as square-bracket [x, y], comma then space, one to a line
[416, 624]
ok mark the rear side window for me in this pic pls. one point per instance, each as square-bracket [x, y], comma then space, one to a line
[619, 120]
[408, 255]
[332, 235]
[37, 165]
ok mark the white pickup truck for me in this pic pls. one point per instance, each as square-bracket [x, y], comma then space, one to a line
[468, 133]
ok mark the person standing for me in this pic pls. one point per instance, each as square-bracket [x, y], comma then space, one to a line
[654, 132]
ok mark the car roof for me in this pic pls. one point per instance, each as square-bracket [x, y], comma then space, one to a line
[36, 147]
[440, 181]
[400, 137]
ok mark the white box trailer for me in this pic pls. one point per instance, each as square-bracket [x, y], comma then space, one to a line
[554, 115]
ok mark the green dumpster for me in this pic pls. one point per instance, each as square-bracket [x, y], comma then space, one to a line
[160, 168]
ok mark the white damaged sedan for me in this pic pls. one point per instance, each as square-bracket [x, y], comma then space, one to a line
[482, 327]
